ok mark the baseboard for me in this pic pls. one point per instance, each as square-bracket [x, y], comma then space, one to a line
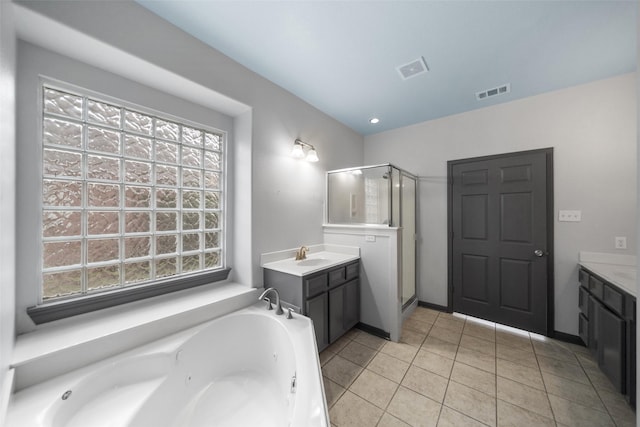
[373, 330]
[433, 306]
[573, 339]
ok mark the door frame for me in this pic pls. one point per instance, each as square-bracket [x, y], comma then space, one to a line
[550, 225]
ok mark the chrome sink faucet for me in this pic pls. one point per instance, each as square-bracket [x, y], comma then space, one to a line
[278, 305]
[302, 253]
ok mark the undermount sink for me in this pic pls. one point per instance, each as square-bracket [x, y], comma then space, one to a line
[312, 262]
[319, 259]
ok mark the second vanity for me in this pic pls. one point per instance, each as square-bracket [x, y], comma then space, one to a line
[607, 318]
[325, 287]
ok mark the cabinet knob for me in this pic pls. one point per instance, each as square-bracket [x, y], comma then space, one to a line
[538, 252]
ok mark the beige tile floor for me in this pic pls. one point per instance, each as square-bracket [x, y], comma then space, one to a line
[450, 370]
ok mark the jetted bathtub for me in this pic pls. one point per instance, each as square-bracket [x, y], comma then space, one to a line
[248, 368]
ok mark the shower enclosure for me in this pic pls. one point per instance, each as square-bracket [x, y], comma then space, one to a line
[382, 195]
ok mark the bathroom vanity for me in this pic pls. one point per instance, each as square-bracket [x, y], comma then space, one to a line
[325, 287]
[607, 318]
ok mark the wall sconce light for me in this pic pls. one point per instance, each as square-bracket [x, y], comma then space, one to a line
[297, 152]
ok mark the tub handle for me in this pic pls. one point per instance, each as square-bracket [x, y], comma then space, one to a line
[294, 383]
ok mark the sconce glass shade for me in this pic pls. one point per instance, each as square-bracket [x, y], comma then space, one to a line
[297, 152]
[312, 156]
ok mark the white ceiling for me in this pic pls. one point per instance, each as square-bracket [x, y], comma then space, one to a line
[341, 56]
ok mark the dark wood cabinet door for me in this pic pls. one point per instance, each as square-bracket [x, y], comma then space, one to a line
[344, 309]
[351, 304]
[583, 329]
[336, 313]
[592, 327]
[611, 346]
[316, 309]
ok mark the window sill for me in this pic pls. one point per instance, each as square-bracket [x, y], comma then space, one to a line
[61, 346]
[63, 309]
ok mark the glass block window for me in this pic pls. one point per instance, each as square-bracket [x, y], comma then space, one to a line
[128, 197]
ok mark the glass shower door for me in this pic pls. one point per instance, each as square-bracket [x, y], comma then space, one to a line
[408, 223]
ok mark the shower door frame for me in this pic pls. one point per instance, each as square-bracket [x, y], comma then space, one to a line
[414, 297]
[401, 172]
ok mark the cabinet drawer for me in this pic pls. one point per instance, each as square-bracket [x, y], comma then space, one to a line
[315, 285]
[583, 278]
[337, 276]
[596, 287]
[614, 299]
[583, 301]
[352, 271]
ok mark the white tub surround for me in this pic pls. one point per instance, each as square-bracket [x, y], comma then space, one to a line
[380, 277]
[248, 368]
[62, 346]
[319, 257]
[619, 270]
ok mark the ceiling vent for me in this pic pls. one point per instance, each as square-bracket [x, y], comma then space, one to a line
[500, 90]
[412, 68]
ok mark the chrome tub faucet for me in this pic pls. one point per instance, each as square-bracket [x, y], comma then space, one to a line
[278, 305]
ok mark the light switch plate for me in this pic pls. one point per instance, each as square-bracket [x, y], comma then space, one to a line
[570, 216]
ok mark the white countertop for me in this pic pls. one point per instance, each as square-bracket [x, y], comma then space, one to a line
[619, 270]
[319, 257]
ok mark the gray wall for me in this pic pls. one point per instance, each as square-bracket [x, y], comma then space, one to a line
[7, 197]
[592, 129]
[287, 195]
[278, 200]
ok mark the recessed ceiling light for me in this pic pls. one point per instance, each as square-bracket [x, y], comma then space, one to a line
[374, 120]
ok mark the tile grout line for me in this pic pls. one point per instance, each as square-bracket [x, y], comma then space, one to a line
[348, 387]
[400, 383]
[411, 364]
[536, 353]
[606, 408]
[451, 380]
[544, 383]
[593, 387]
[444, 398]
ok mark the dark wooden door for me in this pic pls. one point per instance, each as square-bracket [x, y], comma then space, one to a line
[499, 223]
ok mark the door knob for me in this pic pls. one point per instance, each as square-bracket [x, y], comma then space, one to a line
[538, 252]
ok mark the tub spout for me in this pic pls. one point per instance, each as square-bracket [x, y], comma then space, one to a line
[278, 305]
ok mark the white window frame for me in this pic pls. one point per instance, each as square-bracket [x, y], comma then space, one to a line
[58, 308]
